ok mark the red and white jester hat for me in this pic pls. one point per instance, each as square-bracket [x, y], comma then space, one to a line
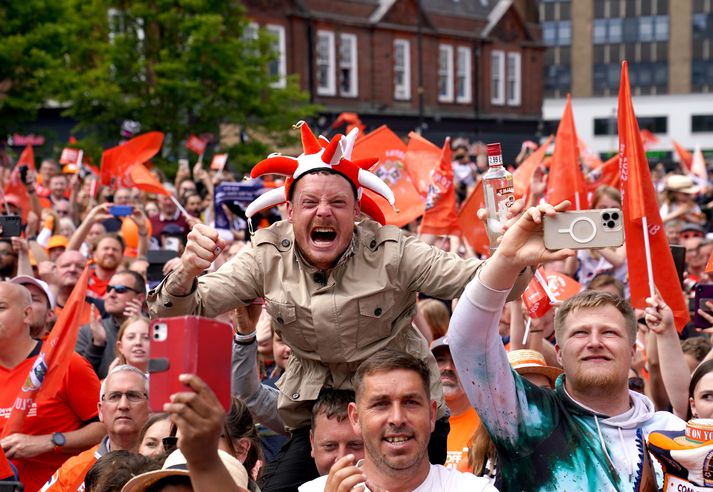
[331, 155]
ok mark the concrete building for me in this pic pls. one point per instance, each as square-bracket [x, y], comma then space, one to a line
[669, 47]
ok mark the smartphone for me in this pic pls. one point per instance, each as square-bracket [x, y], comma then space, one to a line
[189, 345]
[704, 292]
[584, 229]
[11, 225]
[23, 173]
[121, 210]
[678, 253]
[157, 259]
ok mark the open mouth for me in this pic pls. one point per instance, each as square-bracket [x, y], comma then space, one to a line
[323, 235]
[397, 440]
[596, 358]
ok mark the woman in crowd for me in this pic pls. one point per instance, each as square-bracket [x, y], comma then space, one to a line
[700, 392]
[132, 343]
[155, 430]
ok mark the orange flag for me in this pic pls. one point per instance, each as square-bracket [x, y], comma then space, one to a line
[471, 226]
[523, 174]
[685, 156]
[648, 138]
[536, 300]
[421, 158]
[14, 186]
[391, 151]
[641, 217]
[698, 166]
[606, 174]
[562, 286]
[566, 181]
[141, 178]
[52, 363]
[440, 218]
[118, 160]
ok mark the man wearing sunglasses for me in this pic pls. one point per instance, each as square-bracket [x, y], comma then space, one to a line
[123, 408]
[125, 295]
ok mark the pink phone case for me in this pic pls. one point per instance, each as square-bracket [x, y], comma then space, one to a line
[189, 345]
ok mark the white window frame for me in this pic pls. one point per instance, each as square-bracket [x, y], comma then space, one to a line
[497, 79]
[463, 71]
[279, 32]
[514, 76]
[447, 72]
[402, 92]
[330, 87]
[350, 64]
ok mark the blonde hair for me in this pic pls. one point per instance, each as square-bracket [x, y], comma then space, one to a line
[127, 322]
[594, 299]
[436, 315]
[482, 450]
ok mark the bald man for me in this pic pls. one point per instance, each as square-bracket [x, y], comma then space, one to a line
[57, 427]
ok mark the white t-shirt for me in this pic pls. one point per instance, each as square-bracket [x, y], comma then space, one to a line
[439, 479]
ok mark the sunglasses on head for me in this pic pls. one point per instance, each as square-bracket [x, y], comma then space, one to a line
[120, 289]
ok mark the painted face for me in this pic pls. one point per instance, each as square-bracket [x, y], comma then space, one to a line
[702, 401]
[596, 349]
[395, 416]
[322, 213]
[332, 440]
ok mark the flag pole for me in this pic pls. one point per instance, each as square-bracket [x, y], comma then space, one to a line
[546, 287]
[647, 251]
[180, 207]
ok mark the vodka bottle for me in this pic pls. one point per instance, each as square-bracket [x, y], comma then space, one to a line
[499, 193]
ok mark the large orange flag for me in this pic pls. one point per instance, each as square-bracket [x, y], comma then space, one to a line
[117, 160]
[471, 226]
[440, 218]
[698, 166]
[566, 180]
[141, 178]
[14, 187]
[640, 208]
[52, 364]
[685, 156]
[421, 158]
[391, 151]
[523, 174]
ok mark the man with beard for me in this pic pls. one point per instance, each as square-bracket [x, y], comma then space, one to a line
[8, 260]
[107, 255]
[96, 340]
[394, 413]
[587, 433]
[463, 420]
[42, 305]
[338, 287]
[124, 409]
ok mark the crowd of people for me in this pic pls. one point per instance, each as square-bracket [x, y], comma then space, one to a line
[362, 356]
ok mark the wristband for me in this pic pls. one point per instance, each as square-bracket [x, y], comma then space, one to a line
[248, 339]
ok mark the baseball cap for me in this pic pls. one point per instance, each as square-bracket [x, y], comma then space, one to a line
[41, 284]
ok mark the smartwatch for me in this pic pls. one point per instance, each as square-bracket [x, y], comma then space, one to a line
[59, 441]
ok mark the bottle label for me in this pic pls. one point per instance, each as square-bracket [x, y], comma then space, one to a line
[499, 197]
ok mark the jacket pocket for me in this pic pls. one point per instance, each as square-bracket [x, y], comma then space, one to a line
[375, 317]
[284, 319]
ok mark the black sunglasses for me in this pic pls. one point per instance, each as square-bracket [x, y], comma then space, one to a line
[120, 289]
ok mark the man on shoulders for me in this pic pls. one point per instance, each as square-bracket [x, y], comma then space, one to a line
[587, 434]
[395, 415]
[123, 408]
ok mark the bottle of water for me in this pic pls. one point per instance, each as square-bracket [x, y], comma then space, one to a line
[499, 193]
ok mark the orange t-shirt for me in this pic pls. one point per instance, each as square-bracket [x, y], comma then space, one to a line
[70, 476]
[462, 429]
[74, 403]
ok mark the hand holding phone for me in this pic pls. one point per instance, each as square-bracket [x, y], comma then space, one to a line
[121, 210]
[584, 229]
[703, 306]
[10, 226]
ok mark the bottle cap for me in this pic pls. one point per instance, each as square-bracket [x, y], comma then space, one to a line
[494, 149]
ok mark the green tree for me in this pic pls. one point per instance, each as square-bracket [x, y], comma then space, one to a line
[178, 66]
[33, 43]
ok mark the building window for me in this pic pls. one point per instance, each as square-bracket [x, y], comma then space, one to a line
[326, 84]
[348, 77]
[445, 73]
[402, 70]
[463, 79]
[277, 68]
[701, 123]
[513, 79]
[557, 33]
[497, 77]
[608, 126]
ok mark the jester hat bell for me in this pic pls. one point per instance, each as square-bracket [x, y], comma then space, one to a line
[321, 154]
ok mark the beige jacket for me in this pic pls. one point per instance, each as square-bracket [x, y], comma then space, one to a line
[333, 320]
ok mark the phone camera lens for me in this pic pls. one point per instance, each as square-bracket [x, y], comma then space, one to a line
[605, 216]
[611, 224]
[615, 216]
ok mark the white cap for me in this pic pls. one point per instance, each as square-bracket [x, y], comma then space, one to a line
[26, 279]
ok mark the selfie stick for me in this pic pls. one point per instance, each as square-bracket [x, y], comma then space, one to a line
[647, 249]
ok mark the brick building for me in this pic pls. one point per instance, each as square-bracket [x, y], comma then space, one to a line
[469, 68]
